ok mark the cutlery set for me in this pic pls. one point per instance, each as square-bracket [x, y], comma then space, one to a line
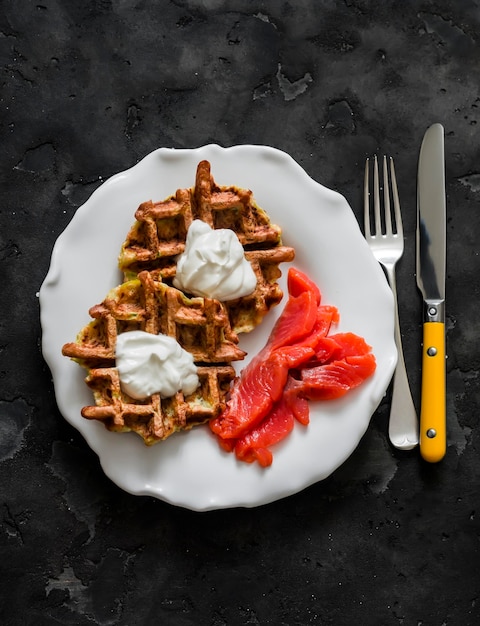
[384, 234]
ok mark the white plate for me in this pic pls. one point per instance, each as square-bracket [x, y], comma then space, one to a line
[189, 469]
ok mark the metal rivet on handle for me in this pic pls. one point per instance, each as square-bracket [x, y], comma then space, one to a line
[431, 433]
[432, 351]
[432, 310]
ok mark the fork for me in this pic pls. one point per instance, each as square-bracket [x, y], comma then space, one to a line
[386, 243]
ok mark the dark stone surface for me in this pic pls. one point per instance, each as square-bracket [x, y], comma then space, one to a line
[87, 89]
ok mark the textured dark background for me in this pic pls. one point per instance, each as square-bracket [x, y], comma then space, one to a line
[89, 88]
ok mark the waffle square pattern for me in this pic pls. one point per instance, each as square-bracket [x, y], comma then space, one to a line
[200, 325]
[158, 236]
[204, 327]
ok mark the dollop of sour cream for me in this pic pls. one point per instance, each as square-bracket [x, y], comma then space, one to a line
[149, 364]
[213, 264]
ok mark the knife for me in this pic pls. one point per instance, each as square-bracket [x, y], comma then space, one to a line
[431, 252]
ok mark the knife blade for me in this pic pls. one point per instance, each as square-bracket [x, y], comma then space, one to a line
[431, 261]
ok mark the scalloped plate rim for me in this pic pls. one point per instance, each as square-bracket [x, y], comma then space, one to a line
[243, 485]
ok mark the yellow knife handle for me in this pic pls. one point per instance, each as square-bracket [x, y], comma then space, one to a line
[433, 436]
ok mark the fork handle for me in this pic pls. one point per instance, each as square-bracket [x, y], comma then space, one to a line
[403, 425]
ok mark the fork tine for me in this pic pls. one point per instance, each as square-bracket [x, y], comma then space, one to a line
[386, 198]
[366, 200]
[388, 181]
[376, 198]
[396, 200]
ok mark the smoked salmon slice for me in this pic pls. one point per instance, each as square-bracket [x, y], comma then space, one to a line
[350, 344]
[262, 382]
[295, 323]
[300, 362]
[298, 282]
[260, 385]
[254, 446]
[297, 404]
[333, 380]
[330, 372]
[325, 317]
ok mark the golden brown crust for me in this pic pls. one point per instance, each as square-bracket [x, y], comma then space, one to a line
[159, 234]
[205, 327]
[200, 325]
[155, 419]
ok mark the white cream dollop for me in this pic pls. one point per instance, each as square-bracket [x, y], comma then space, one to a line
[149, 364]
[213, 264]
